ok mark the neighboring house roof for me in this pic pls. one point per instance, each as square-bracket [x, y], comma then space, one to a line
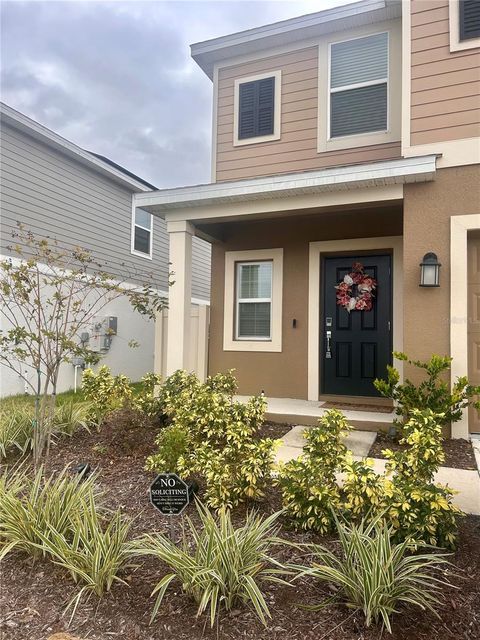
[125, 171]
[94, 161]
[207, 54]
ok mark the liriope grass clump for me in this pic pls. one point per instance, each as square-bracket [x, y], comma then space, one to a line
[31, 507]
[225, 567]
[373, 574]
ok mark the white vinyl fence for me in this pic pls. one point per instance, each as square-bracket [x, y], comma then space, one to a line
[198, 351]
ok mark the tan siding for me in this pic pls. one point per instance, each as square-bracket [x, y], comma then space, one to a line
[297, 148]
[316, 161]
[445, 100]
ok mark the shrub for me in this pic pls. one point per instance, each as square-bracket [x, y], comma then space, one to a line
[105, 392]
[31, 508]
[220, 438]
[420, 509]
[147, 400]
[224, 448]
[374, 575]
[432, 393]
[96, 552]
[365, 492]
[226, 566]
[309, 486]
[172, 443]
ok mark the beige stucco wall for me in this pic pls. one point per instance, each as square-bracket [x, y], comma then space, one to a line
[427, 211]
[285, 374]
[445, 85]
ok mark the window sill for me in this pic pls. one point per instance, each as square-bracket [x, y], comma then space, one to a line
[253, 345]
[141, 255]
[356, 141]
[463, 45]
[256, 140]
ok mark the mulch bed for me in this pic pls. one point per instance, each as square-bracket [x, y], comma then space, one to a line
[33, 597]
[458, 453]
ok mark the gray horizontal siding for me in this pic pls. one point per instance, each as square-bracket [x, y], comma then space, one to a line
[54, 196]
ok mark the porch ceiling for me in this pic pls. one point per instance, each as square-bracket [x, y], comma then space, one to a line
[337, 179]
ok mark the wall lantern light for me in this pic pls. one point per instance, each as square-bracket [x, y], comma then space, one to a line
[430, 271]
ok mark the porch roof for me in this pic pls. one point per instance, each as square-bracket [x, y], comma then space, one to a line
[376, 174]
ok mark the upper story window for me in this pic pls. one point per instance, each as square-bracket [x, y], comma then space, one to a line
[359, 86]
[469, 19]
[257, 108]
[142, 233]
[464, 18]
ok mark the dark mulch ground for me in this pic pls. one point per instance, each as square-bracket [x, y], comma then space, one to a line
[33, 597]
[458, 453]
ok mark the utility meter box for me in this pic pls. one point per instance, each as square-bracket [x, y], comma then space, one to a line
[102, 331]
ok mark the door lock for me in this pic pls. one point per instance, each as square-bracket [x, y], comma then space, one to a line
[328, 351]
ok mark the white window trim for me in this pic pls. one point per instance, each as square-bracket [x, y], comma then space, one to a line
[393, 131]
[134, 251]
[239, 301]
[358, 85]
[454, 27]
[277, 101]
[274, 344]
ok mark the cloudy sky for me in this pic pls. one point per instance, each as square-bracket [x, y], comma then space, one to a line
[116, 77]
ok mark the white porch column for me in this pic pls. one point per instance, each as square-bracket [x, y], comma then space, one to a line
[180, 294]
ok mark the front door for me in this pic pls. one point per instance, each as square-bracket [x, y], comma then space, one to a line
[356, 323]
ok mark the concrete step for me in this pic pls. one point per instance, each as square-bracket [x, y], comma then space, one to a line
[306, 412]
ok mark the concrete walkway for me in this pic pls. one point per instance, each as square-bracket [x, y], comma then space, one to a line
[465, 481]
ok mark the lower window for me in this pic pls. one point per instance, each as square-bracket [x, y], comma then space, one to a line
[254, 300]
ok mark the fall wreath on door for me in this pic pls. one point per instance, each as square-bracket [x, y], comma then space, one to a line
[356, 291]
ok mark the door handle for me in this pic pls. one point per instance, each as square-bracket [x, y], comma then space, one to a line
[328, 351]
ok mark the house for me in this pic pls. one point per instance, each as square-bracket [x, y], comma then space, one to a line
[59, 190]
[345, 153]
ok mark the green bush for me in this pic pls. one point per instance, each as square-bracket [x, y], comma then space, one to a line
[432, 393]
[105, 392]
[221, 437]
[173, 443]
[31, 508]
[309, 487]
[374, 575]
[364, 492]
[95, 554]
[225, 567]
[147, 399]
[420, 509]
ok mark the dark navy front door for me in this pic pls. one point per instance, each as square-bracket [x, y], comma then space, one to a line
[355, 346]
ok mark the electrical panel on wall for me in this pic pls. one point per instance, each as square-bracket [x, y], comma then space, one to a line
[103, 329]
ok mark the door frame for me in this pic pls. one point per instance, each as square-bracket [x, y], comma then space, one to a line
[388, 244]
[321, 327]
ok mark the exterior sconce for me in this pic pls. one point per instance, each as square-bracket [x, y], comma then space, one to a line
[430, 271]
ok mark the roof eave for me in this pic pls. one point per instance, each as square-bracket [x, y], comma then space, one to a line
[34, 129]
[400, 171]
[207, 54]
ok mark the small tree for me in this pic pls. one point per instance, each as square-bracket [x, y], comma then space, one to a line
[48, 297]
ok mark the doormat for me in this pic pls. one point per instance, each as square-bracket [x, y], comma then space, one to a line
[345, 406]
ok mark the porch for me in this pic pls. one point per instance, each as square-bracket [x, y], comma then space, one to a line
[297, 222]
